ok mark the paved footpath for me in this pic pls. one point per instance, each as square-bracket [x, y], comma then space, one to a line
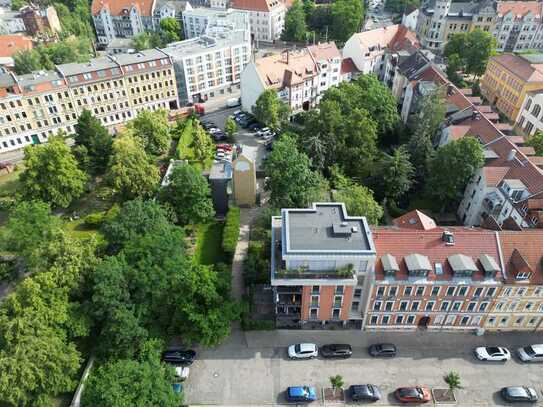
[251, 368]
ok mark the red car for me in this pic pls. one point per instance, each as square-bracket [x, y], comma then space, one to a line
[413, 394]
[225, 147]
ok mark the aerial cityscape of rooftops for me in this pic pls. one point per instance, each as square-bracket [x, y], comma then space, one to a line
[271, 202]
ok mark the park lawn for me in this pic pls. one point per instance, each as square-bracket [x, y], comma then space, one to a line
[209, 244]
[77, 228]
[9, 182]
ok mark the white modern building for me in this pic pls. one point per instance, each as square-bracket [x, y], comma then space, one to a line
[300, 77]
[530, 117]
[211, 65]
[201, 20]
[170, 9]
[267, 17]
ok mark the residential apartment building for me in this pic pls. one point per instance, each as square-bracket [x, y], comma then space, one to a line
[438, 20]
[12, 44]
[210, 65]
[377, 51]
[321, 266]
[432, 277]
[519, 304]
[38, 20]
[530, 120]
[35, 106]
[267, 17]
[170, 9]
[519, 26]
[508, 78]
[300, 77]
[202, 21]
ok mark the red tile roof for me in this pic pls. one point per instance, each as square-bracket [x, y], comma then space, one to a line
[11, 44]
[401, 242]
[255, 5]
[523, 250]
[494, 175]
[348, 66]
[519, 8]
[520, 67]
[120, 7]
[415, 220]
[324, 51]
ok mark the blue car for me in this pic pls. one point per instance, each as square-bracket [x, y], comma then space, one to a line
[301, 393]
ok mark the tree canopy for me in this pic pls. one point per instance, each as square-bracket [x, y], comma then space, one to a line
[347, 17]
[292, 184]
[189, 195]
[452, 167]
[470, 51]
[295, 28]
[130, 170]
[93, 143]
[536, 141]
[51, 173]
[271, 111]
[152, 130]
[393, 174]
[170, 30]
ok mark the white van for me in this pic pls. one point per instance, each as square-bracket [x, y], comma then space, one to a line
[233, 102]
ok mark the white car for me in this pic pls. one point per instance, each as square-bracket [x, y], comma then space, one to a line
[303, 351]
[531, 353]
[492, 353]
[182, 373]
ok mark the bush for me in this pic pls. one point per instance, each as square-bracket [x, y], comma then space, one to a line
[231, 231]
[393, 209]
[256, 268]
[94, 220]
[182, 151]
[224, 277]
[248, 324]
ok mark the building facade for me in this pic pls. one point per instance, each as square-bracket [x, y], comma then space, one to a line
[530, 119]
[321, 266]
[204, 21]
[170, 9]
[507, 80]
[267, 17]
[519, 26]
[300, 77]
[211, 65]
[38, 20]
[35, 106]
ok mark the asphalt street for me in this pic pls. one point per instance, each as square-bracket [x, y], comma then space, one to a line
[251, 369]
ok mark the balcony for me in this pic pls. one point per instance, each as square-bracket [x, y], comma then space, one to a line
[289, 299]
[346, 272]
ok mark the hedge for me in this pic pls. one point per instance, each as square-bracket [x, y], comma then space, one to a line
[183, 151]
[230, 233]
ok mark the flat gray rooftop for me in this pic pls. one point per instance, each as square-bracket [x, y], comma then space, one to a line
[324, 229]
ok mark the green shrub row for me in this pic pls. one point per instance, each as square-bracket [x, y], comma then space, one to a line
[231, 230]
[182, 151]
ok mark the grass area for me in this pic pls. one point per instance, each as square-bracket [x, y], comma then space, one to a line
[62, 400]
[209, 244]
[9, 182]
[77, 228]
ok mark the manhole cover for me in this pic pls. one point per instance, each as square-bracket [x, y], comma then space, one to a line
[216, 374]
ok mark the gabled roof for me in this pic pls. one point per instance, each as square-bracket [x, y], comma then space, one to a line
[348, 66]
[494, 175]
[520, 67]
[11, 44]
[415, 219]
[522, 251]
[120, 7]
[256, 5]
[395, 37]
[519, 8]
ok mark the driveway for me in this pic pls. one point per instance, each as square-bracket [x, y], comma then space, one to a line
[252, 369]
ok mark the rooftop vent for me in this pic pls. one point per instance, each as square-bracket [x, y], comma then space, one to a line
[439, 269]
[512, 154]
[448, 238]
[341, 230]
[354, 229]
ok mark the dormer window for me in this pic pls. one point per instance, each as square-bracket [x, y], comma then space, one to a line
[417, 265]
[390, 265]
[462, 265]
[522, 276]
[490, 266]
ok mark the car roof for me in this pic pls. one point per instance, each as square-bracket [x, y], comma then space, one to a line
[362, 388]
[338, 346]
[297, 391]
[537, 347]
[517, 391]
[307, 346]
[387, 346]
[409, 391]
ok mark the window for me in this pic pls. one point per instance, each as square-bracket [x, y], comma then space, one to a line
[392, 291]
[415, 305]
[354, 306]
[478, 292]
[389, 305]
[444, 305]
[462, 291]
[373, 320]
[377, 306]
[523, 276]
[411, 319]
[339, 289]
[450, 291]
[385, 320]
[429, 306]
[314, 300]
[490, 292]
[464, 321]
[357, 293]
[399, 319]
[338, 299]
[313, 313]
[404, 305]
[381, 291]
[457, 305]
[536, 110]
[483, 306]
[471, 306]
[336, 312]
[435, 291]
[420, 291]
[407, 291]
[519, 320]
[315, 289]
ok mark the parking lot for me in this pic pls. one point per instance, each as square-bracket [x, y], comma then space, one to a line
[253, 369]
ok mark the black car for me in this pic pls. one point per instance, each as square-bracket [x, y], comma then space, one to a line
[336, 351]
[382, 350]
[364, 392]
[208, 125]
[255, 127]
[519, 393]
[177, 356]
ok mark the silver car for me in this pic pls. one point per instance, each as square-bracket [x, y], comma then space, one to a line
[531, 353]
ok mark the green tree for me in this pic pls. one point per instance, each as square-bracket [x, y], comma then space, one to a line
[271, 111]
[202, 146]
[472, 50]
[454, 65]
[130, 171]
[139, 383]
[97, 143]
[309, 8]
[147, 40]
[400, 6]
[347, 17]
[393, 174]
[295, 28]
[337, 382]
[76, 19]
[28, 226]
[536, 141]
[453, 380]
[357, 198]
[230, 128]
[452, 167]
[153, 130]
[425, 123]
[189, 195]
[51, 174]
[16, 5]
[134, 219]
[26, 62]
[292, 184]
[170, 30]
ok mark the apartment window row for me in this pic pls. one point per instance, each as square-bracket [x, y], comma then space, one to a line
[516, 321]
[434, 291]
[428, 306]
[392, 320]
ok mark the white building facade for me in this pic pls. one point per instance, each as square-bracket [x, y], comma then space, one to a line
[267, 17]
[530, 117]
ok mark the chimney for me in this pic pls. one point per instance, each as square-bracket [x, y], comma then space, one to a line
[512, 154]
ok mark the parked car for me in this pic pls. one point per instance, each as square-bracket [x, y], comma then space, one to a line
[255, 127]
[268, 136]
[364, 392]
[208, 125]
[178, 356]
[515, 394]
[233, 102]
[413, 394]
[182, 373]
[492, 353]
[301, 393]
[336, 351]
[220, 155]
[263, 131]
[225, 147]
[303, 351]
[383, 350]
[531, 353]
[219, 136]
[239, 117]
[177, 388]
